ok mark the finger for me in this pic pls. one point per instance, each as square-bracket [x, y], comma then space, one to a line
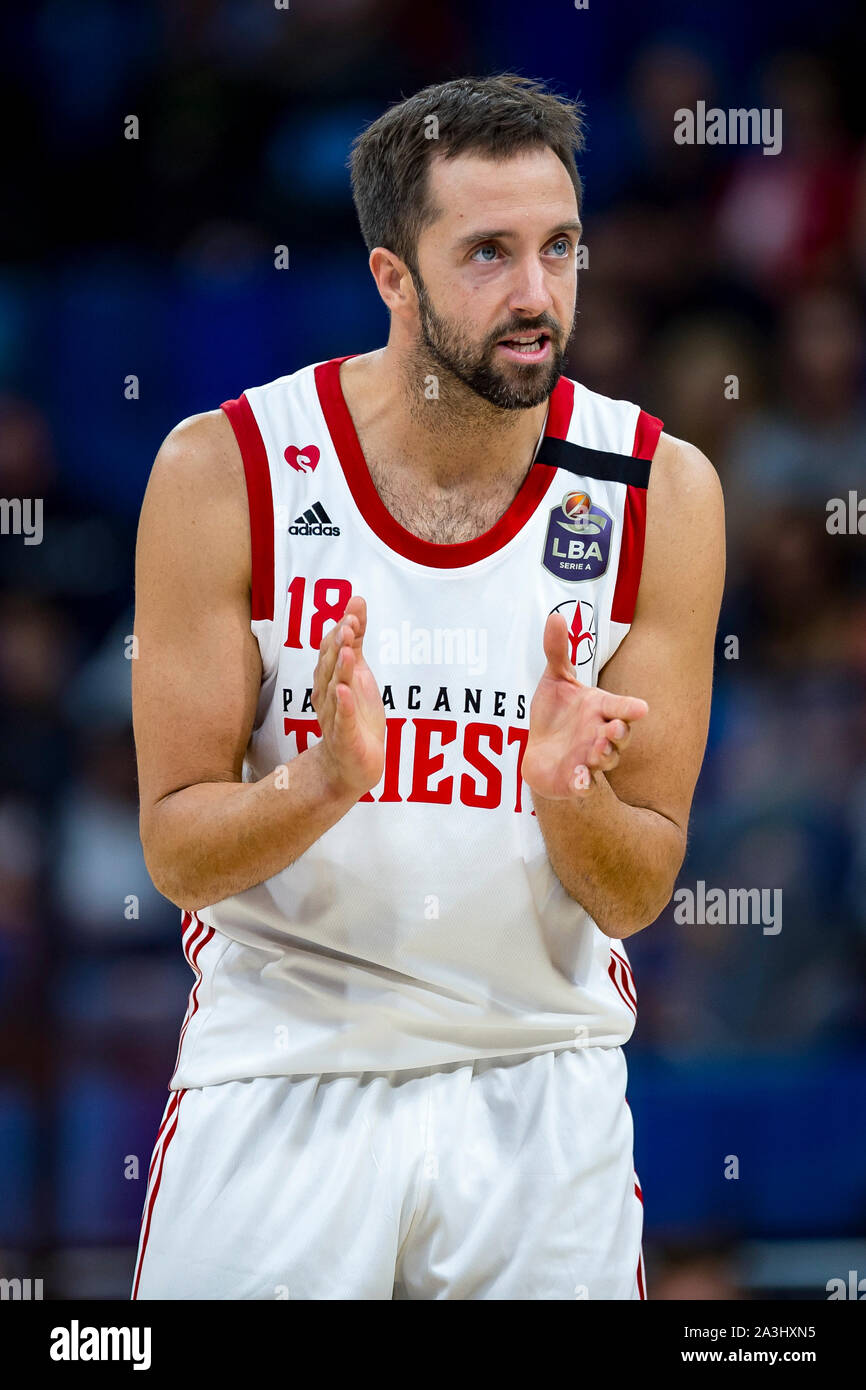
[345, 709]
[349, 627]
[328, 650]
[618, 733]
[626, 707]
[343, 634]
[344, 667]
[357, 608]
[604, 755]
[327, 707]
[556, 647]
[323, 673]
[359, 622]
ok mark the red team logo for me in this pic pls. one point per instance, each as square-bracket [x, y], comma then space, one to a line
[580, 616]
[303, 460]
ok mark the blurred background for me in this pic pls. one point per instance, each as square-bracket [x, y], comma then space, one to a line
[154, 259]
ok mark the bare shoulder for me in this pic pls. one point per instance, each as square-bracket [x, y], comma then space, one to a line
[196, 499]
[683, 476]
[201, 452]
[685, 528]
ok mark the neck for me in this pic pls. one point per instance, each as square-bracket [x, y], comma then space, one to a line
[444, 431]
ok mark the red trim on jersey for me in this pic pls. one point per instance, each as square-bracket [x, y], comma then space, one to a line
[646, 438]
[641, 1277]
[612, 972]
[186, 936]
[641, 1286]
[192, 949]
[172, 1110]
[627, 976]
[191, 931]
[261, 503]
[560, 409]
[379, 519]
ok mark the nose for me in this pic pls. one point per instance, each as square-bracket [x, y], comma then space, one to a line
[529, 296]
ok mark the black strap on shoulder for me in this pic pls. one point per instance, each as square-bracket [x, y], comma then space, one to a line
[594, 463]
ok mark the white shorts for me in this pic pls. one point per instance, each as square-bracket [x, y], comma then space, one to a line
[508, 1178]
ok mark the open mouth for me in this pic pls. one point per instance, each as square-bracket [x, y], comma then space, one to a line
[526, 347]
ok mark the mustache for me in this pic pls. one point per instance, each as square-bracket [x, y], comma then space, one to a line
[512, 330]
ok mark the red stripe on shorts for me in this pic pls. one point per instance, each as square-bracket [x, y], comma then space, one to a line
[172, 1113]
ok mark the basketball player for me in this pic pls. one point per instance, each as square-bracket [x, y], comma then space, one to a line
[425, 644]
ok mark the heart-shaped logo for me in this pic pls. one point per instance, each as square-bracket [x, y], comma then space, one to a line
[303, 460]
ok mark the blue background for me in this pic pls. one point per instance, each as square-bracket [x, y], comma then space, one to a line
[155, 257]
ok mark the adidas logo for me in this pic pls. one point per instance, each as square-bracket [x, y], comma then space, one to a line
[313, 522]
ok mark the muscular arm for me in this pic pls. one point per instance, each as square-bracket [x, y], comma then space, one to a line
[618, 847]
[207, 834]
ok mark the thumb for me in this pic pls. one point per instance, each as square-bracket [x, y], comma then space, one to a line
[556, 647]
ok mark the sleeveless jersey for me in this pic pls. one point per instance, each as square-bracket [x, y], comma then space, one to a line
[427, 926]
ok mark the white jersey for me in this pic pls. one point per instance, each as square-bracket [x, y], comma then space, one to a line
[427, 926]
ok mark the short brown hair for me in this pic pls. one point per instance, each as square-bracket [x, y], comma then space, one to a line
[496, 116]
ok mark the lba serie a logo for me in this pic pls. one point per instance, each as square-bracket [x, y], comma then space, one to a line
[577, 544]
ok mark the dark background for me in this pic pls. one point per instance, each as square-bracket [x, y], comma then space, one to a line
[155, 258]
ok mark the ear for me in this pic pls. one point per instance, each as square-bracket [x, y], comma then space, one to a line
[393, 281]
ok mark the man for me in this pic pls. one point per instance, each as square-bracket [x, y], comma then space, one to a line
[424, 681]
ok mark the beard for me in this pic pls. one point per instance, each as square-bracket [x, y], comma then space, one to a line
[508, 386]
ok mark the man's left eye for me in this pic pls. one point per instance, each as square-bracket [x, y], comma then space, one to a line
[564, 246]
